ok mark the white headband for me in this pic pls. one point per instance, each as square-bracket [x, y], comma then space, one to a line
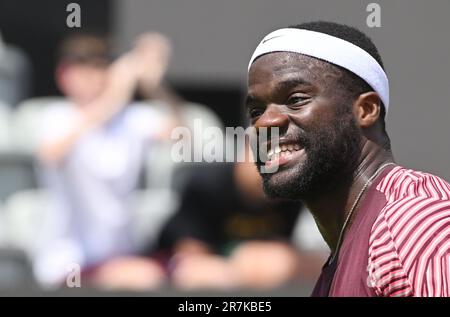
[331, 49]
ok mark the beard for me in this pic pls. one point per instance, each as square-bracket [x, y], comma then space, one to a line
[331, 152]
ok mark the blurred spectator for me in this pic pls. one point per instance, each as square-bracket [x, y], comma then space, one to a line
[92, 151]
[15, 74]
[227, 234]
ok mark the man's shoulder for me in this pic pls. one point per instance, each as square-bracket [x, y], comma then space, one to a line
[402, 184]
[413, 227]
[60, 108]
[411, 194]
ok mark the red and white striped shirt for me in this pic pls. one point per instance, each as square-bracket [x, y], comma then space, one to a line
[409, 244]
[398, 243]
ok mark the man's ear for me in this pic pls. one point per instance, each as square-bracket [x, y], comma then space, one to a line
[367, 109]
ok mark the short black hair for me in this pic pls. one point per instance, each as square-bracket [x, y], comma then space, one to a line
[352, 82]
[85, 48]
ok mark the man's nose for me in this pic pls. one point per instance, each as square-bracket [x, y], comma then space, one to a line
[272, 117]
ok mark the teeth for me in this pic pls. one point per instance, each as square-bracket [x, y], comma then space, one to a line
[274, 153]
[288, 147]
[277, 149]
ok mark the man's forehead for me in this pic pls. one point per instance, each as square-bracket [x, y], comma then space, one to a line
[279, 61]
[278, 66]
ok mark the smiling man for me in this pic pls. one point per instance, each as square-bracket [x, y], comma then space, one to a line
[324, 87]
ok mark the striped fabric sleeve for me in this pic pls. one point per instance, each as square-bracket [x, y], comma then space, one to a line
[409, 246]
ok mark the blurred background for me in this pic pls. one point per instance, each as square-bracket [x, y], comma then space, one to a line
[87, 184]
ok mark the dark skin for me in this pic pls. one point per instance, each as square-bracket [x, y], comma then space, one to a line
[292, 92]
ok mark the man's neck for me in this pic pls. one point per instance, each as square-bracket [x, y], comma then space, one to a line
[331, 209]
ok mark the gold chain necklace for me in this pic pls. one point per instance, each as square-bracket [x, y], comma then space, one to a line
[349, 215]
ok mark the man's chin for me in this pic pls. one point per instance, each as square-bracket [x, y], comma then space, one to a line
[281, 185]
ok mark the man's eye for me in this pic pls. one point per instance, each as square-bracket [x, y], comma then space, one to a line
[255, 112]
[297, 100]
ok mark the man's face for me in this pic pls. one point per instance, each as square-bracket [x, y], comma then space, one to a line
[319, 138]
[82, 82]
